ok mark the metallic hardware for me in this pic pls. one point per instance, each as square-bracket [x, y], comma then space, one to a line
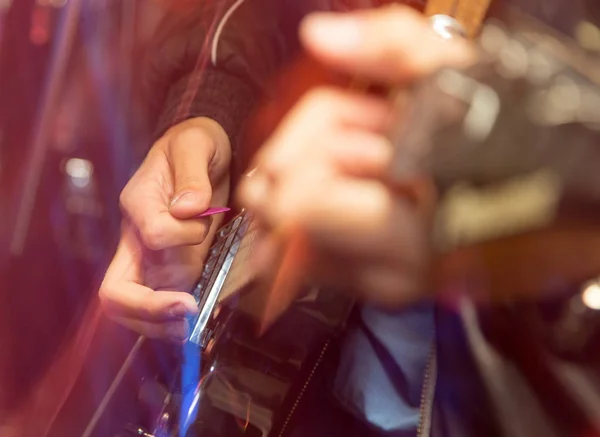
[211, 285]
[447, 27]
[428, 393]
[303, 390]
[132, 430]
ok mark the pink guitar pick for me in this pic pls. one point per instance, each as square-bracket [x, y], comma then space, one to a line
[213, 211]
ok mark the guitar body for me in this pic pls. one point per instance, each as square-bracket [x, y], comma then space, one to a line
[227, 380]
[234, 381]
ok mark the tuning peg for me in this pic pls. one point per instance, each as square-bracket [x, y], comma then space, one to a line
[447, 27]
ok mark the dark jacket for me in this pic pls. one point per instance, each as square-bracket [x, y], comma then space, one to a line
[218, 58]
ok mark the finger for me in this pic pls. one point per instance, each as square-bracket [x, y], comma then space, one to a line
[314, 124]
[176, 269]
[190, 153]
[176, 331]
[121, 295]
[144, 206]
[126, 298]
[360, 154]
[393, 44]
[127, 262]
[351, 152]
[390, 283]
[264, 252]
[355, 153]
[358, 217]
[320, 113]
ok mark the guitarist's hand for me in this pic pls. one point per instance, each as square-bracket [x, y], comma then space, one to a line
[163, 244]
[322, 170]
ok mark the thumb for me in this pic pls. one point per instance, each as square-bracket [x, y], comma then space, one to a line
[394, 44]
[190, 154]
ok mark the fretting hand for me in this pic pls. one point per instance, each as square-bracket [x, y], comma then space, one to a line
[323, 170]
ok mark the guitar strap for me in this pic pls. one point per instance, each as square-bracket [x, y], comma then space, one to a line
[469, 13]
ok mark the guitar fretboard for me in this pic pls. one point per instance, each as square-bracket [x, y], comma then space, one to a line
[241, 274]
[227, 272]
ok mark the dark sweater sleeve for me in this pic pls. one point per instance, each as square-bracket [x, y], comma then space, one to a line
[215, 60]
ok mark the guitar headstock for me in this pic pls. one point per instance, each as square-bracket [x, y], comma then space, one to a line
[512, 145]
[509, 139]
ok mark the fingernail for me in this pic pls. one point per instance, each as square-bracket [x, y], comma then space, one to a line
[213, 211]
[178, 310]
[337, 33]
[180, 196]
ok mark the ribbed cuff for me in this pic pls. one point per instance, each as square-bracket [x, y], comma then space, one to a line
[218, 95]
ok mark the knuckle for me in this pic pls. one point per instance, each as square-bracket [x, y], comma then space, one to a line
[105, 296]
[153, 235]
[274, 163]
[150, 308]
[124, 198]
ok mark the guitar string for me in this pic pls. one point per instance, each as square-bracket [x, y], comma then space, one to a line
[218, 240]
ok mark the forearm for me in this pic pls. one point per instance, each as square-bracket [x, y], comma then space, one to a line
[215, 61]
[213, 94]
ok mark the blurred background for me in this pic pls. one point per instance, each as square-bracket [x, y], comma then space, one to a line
[73, 127]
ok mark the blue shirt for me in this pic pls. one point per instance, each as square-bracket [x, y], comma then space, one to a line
[382, 366]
